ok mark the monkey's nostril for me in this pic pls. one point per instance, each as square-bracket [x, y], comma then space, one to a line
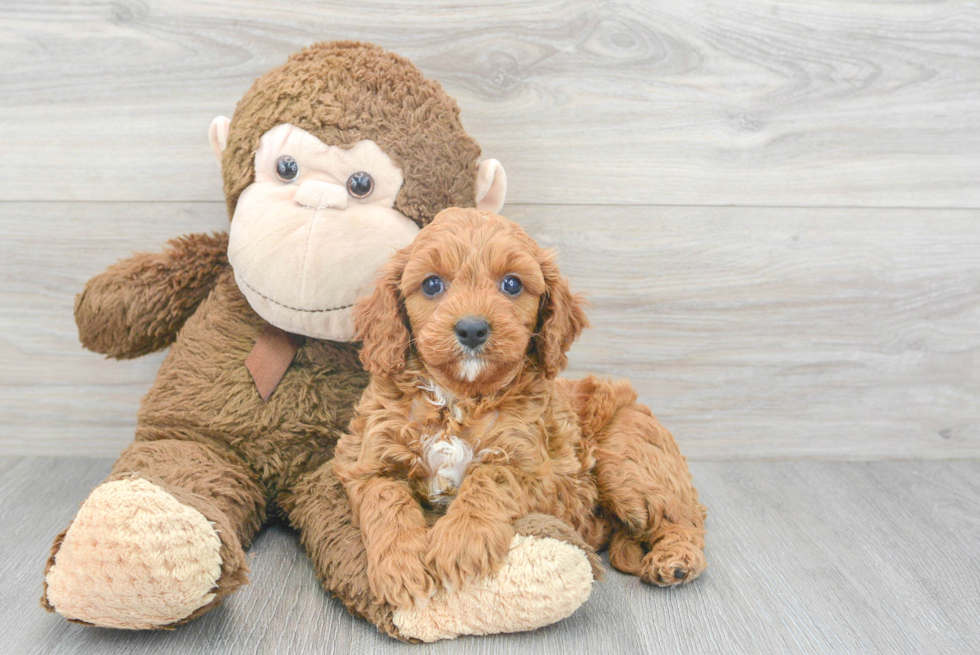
[321, 195]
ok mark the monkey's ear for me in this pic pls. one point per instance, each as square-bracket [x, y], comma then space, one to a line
[218, 135]
[491, 186]
[381, 322]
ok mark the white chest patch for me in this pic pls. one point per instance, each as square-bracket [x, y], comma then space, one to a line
[447, 458]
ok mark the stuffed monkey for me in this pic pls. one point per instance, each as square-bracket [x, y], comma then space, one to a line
[331, 163]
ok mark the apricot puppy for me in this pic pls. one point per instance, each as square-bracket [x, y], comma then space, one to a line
[464, 428]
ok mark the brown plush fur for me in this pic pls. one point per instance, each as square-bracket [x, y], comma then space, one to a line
[583, 452]
[344, 91]
[138, 304]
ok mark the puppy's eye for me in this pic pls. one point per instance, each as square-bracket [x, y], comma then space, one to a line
[287, 169]
[360, 185]
[433, 286]
[511, 285]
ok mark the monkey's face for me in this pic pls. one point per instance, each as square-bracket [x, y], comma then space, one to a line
[310, 233]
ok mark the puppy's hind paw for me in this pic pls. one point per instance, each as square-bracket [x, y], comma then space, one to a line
[672, 562]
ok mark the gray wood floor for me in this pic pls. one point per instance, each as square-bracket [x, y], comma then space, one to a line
[805, 557]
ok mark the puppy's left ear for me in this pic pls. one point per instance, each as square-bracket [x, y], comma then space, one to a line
[561, 319]
[381, 322]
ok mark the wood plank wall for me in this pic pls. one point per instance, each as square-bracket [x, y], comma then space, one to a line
[774, 207]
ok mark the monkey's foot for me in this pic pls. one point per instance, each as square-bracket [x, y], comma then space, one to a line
[546, 576]
[133, 558]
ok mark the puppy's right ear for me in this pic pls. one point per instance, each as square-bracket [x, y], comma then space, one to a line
[381, 322]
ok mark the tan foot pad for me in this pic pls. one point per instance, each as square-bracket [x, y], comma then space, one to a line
[543, 581]
[134, 558]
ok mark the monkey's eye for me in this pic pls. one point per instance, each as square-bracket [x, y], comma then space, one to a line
[360, 185]
[433, 286]
[511, 285]
[287, 169]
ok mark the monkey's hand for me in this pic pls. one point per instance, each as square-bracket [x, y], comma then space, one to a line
[137, 305]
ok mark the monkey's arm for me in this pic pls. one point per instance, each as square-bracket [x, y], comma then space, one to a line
[137, 305]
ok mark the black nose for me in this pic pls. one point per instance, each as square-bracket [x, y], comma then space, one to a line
[472, 332]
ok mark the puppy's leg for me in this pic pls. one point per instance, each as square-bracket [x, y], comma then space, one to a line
[471, 541]
[395, 540]
[644, 483]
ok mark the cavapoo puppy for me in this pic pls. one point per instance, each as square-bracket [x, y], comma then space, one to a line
[464, 428]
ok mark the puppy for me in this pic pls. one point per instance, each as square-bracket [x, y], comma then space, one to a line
[464, 428]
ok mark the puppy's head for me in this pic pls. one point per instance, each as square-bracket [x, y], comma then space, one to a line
[477, 299]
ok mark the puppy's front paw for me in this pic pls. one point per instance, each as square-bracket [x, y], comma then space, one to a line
[399, 577]
[462, 549]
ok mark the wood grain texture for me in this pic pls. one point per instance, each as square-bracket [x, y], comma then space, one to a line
[749, 102]
[758, 332]
[804, 557]
[751, 332]
[55, 397]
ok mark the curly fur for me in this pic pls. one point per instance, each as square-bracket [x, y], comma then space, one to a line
[581, 451]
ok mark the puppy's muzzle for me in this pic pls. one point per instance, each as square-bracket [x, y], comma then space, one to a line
[472, 332]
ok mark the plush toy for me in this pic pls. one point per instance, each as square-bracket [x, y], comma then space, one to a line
[331, 163]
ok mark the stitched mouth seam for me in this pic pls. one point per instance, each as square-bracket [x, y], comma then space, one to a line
[296, 309]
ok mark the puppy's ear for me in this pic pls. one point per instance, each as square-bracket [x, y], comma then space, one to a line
[381, 322]
[561, 319]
